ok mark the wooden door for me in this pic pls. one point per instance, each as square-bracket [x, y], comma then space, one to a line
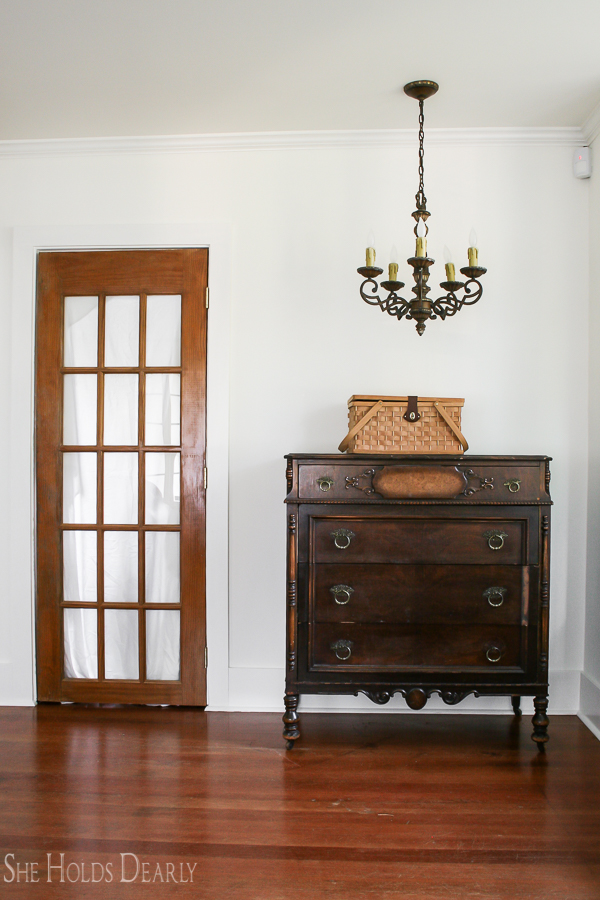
[120, 453]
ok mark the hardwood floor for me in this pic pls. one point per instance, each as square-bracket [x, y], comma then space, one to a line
[380, 806]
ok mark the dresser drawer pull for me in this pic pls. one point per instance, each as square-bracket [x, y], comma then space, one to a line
[343, 649]
[325, 483]
[494, 653]
[495, 595]
[341, 591]
[342, 538]
[514, 485]
[495, 539]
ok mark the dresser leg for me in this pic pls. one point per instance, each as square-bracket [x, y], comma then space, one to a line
[516, 704]
[540, 721]
[291, 722]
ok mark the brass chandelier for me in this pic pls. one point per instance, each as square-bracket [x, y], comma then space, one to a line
[420, 309]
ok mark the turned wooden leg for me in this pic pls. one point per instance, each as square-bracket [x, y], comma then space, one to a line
[516, 704]
[291, 723]
[540, 721]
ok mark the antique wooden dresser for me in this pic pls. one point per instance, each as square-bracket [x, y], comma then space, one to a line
[418, 575]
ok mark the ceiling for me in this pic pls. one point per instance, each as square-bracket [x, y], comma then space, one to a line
[100, 68]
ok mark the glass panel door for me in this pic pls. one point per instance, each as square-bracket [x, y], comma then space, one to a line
[122, 580]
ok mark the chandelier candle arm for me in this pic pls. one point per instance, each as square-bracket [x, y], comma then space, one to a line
[419, 308]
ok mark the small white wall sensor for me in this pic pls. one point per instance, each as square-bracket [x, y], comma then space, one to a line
[582, 162]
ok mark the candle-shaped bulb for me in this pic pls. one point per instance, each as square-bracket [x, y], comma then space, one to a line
[421, 239]
[371, 249]
[473, 250]
[450, 270]
[393, 266]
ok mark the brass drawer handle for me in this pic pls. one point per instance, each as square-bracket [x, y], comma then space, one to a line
[498, 593]
[494, 653]
[325, 483]
[343, 649]
[514, 485]
[495, 539]
[341, 590]
[342, 538]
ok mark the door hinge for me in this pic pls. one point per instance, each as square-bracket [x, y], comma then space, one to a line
[205, 477]
[206, 657]
[207, 296]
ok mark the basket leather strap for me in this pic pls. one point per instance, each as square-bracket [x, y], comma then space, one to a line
[451, 424]
[412, 413]
[360, 424]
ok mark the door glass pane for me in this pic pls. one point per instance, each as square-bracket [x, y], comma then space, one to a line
[163, 405]
[79, 488]
[162, 644]
[80, 550]
[122, 331]
[121, 409]
[79, 414]
[120, 488]
[162, 488]
[162, 567]
[81, 331]
[81, 643]
[120, 566]
[163, 330]
[121, 643]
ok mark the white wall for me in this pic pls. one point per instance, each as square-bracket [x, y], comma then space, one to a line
[590, 681]
[302, 341]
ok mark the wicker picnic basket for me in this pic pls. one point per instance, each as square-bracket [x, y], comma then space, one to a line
[404, 425]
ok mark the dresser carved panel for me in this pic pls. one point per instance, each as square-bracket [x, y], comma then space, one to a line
[418, 575]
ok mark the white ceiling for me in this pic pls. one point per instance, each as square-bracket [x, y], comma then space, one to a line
[91, 68]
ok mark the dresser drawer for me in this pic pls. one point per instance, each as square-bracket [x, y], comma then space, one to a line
[409, 594]
[456, 480]
[419, 541]
[405, 647]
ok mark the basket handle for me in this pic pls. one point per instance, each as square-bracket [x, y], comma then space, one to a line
[360, 424]
[451, 424]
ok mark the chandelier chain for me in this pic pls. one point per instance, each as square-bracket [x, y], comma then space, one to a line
[420, 195]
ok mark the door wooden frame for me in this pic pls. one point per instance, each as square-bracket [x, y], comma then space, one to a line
[19, 687]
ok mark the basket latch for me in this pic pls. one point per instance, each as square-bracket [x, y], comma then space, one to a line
[412, 413]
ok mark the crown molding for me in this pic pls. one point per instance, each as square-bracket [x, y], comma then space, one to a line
[591, 126]
[288, 140]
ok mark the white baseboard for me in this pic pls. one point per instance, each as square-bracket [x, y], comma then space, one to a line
[16, 688]
[261, 690]
[255, 690]
[589, 712]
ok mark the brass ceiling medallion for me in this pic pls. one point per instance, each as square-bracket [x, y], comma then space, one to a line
[420, 309]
